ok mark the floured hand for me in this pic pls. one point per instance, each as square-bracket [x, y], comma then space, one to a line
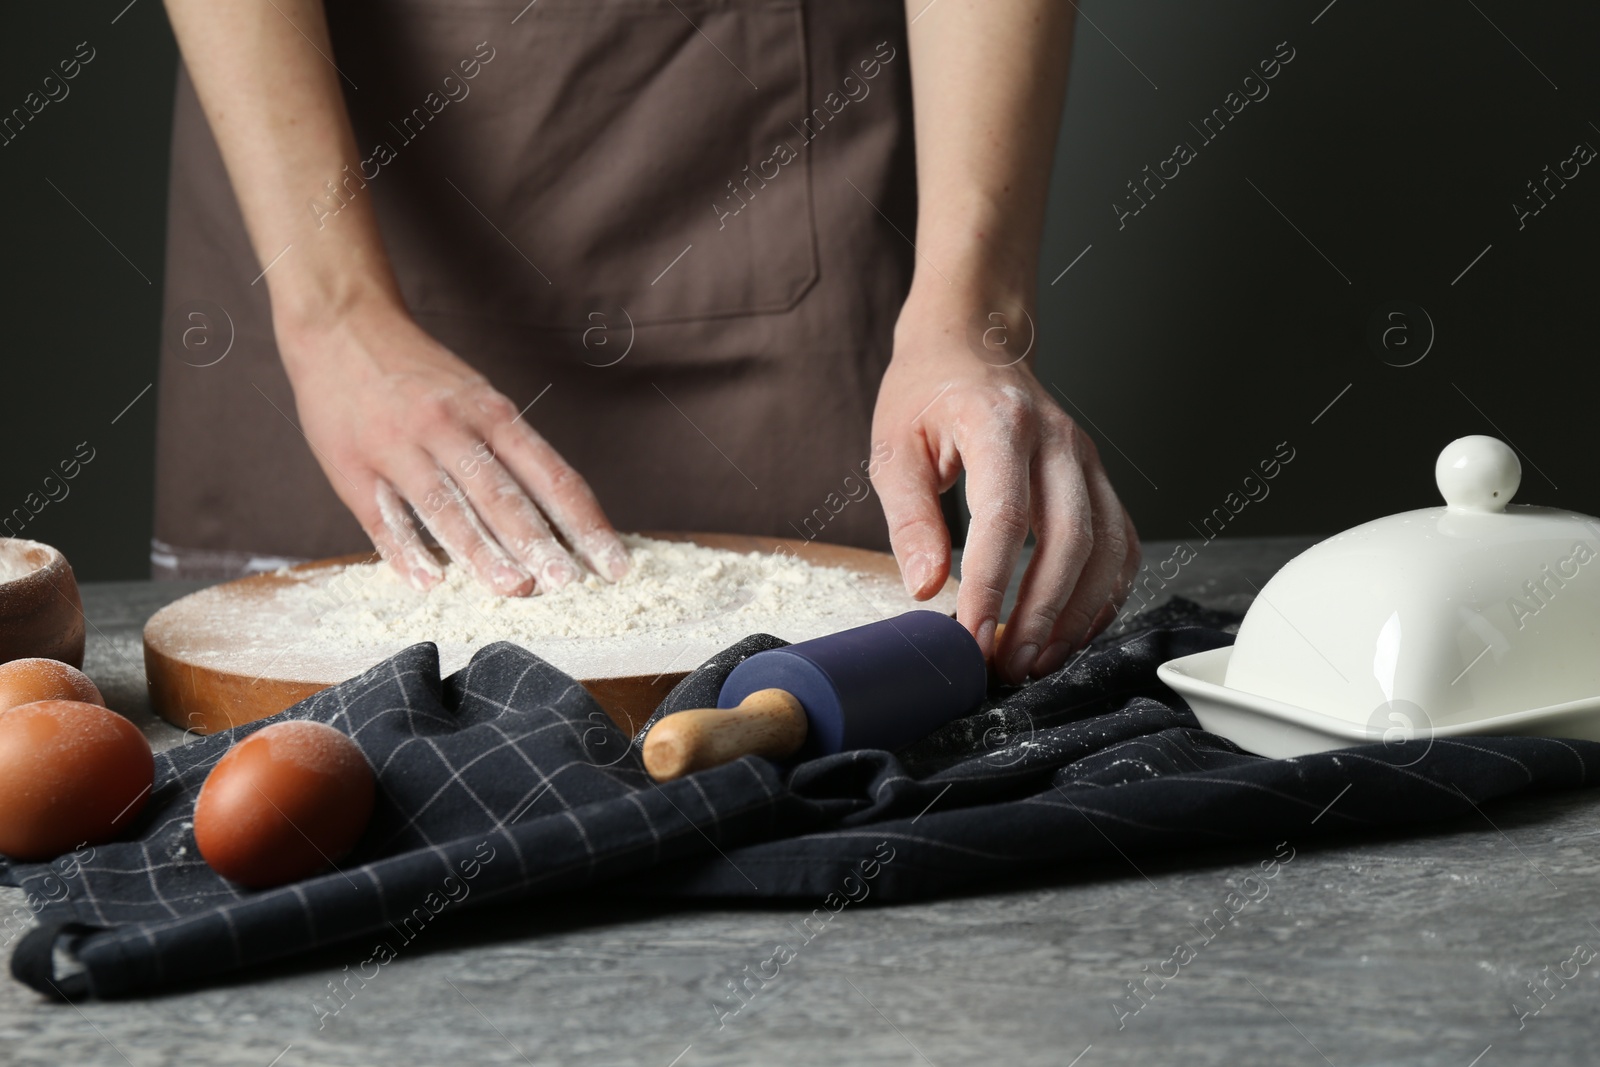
[396, 419]
[949, 404]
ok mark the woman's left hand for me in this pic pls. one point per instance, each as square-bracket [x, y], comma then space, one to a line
[959, 396]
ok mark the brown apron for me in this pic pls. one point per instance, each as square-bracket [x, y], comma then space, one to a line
[671, 221]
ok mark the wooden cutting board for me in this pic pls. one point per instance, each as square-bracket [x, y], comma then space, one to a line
[207, 671]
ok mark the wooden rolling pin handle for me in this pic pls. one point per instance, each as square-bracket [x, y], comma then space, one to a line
[769, 722]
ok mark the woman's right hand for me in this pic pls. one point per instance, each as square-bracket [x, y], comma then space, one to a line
[394, 418]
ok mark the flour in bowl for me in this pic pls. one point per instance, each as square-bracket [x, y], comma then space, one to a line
[13, 567]
[20, 557]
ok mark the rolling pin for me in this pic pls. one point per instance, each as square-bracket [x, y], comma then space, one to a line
[882, 685]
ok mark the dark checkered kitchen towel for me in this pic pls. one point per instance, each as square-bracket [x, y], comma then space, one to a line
[505, 781]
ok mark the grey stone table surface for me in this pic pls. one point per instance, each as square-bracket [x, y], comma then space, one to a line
[1413, 947]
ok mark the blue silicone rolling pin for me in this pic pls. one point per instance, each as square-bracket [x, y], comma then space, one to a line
[882, 685]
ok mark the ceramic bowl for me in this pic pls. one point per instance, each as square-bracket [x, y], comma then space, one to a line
[41, 613]
[1476, 617]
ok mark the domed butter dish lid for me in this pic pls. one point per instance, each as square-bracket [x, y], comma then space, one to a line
[1479, 617]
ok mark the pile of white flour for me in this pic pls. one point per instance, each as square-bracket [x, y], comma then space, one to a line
[668, 584]
[679, 604]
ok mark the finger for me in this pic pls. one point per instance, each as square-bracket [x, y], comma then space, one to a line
[1130, 570]
[388, 523]
[505, 509]
[908, 488]
[997, 498]
[385, 519]
[1093, 603]
[1063, 525]
[563, 496]
[395, 535]
[446, 512]
[1112, 610]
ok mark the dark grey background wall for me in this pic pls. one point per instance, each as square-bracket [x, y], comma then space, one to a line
[1377, 176]
[84, 189]
[1233, 309]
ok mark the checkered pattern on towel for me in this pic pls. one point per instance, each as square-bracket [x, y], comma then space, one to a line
[506, 781]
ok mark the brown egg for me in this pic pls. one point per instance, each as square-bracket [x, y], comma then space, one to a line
[23, 681]
[283, 803]
[70, 774]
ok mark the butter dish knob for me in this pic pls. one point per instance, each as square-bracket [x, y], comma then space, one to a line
[1478, 473]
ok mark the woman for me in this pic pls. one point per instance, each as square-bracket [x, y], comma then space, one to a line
[481, 247]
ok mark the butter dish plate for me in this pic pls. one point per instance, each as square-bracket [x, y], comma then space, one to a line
[1278, 730]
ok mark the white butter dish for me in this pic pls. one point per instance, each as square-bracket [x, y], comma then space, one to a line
[1472, 618]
